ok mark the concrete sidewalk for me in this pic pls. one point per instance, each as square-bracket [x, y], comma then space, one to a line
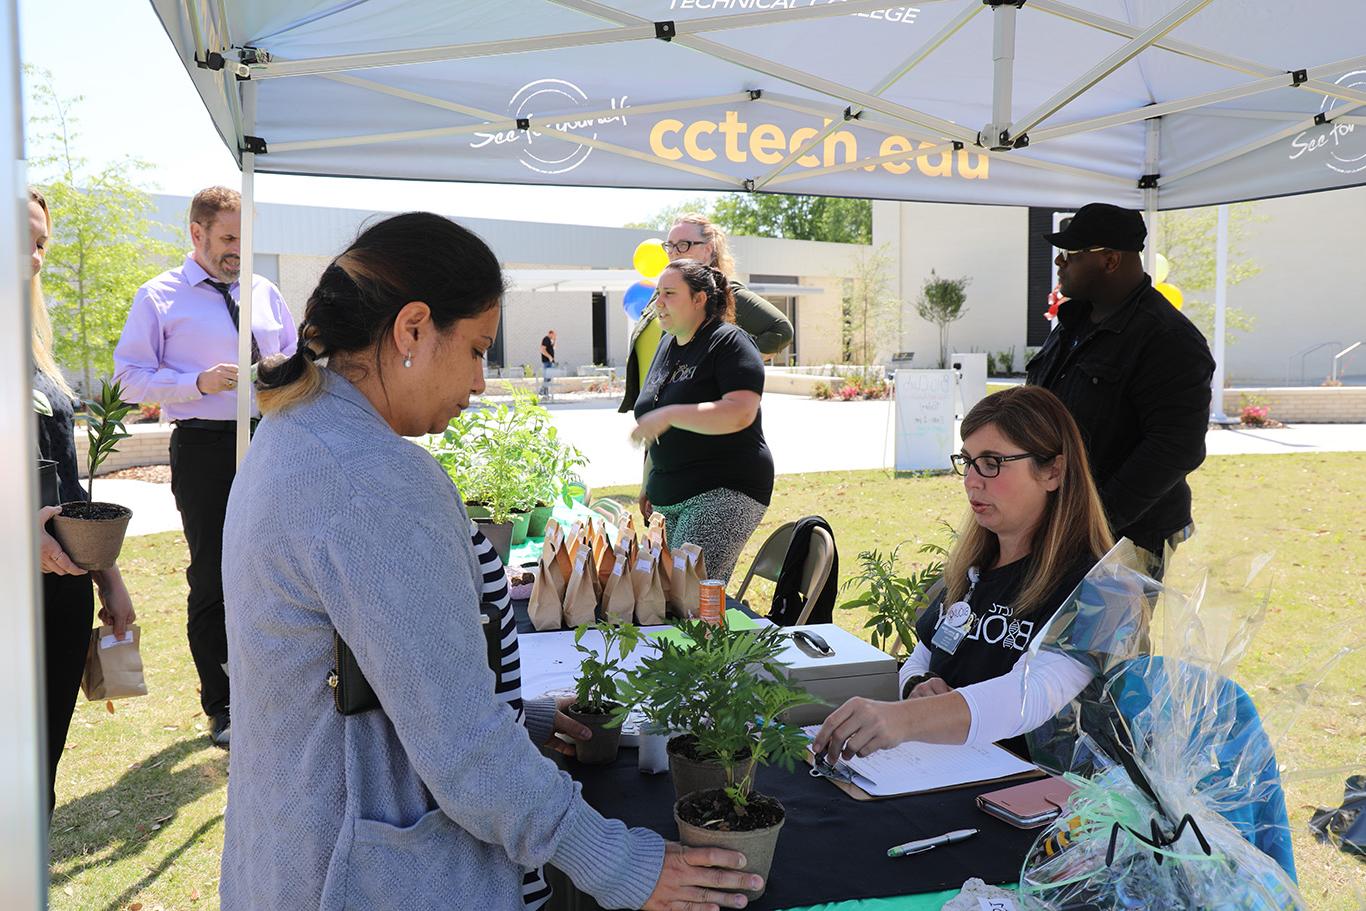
[805, 435]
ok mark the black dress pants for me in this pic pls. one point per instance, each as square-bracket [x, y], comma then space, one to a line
[68, 614]
[203, 463]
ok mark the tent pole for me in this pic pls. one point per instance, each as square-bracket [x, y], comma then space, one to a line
[23, 799]
[245, 296]
[997, 134]
[1220, 307]
[1151, 159]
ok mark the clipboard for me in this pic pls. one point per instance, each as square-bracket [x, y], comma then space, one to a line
[857, 793]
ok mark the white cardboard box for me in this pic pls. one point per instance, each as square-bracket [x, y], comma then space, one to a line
[855, 669]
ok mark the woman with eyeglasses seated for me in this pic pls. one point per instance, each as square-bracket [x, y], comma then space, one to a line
[712, 473]
[694, 237]
[1036, 529]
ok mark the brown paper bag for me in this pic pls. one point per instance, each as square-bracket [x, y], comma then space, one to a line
[618, 594]
[686, 571]
[649, 592]
[113, 668]
[546, 606]
[604, 563]
[627, 526]
[580, 600]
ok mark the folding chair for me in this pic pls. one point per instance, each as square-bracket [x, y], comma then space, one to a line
[768, 564]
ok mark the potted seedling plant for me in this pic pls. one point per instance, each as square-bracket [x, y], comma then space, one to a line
[595, 691]
[726, 690]
[551, 460]
[91, 532]
[894, 602]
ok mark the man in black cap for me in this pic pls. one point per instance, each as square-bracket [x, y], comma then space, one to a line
[1133, 371]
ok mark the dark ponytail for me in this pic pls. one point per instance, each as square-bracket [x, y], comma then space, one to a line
[416, 256]
[711, 281]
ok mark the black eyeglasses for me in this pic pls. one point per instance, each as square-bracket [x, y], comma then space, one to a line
[681, 246]
[988, 466]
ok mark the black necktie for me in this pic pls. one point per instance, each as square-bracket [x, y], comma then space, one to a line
[222, 288]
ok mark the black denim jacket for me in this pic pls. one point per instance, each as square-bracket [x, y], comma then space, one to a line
[1138, 384]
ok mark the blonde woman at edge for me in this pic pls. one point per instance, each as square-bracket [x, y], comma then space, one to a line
[695, 237]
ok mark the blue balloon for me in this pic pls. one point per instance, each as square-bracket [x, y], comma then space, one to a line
[636, 298]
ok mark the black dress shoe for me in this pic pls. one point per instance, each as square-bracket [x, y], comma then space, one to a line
[219, 730]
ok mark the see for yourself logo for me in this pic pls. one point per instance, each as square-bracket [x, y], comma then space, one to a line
[541, 152]
[1343, 152]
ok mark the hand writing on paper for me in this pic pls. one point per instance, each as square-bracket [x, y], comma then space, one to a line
[862, 726]
[697, 879]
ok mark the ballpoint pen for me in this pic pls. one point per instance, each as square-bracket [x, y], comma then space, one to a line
[925, 844]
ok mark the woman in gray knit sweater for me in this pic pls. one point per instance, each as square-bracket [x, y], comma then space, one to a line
[440, 799]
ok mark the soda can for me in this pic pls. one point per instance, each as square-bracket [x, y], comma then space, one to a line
[711, 601]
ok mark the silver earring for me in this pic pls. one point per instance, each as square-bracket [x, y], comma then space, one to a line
[408, 361]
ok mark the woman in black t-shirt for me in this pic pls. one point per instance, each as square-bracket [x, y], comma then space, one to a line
[68, 598]
[698, 412]
[1037, 527]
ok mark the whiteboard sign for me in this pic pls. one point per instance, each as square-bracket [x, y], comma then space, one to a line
[924, 419]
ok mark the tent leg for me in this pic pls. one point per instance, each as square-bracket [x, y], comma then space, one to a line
[23, 799]
[245, 296]
[1152, 161]
[1220, 305]
[996, 135]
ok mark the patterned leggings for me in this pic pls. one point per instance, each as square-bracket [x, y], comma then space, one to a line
[719, 521]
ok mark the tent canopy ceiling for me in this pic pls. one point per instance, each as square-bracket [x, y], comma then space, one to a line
[950, 100]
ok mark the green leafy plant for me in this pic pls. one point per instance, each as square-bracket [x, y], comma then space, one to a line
[893, 601]
[553, 462]
[942, 302]
[104, 427]
[821, 391]
[596, 690]
[724, 687]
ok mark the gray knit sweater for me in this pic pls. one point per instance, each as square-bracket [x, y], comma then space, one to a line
[441, 800]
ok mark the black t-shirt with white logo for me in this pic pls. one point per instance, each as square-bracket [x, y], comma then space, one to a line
[720, 358]
[549, 347]
[995, 638]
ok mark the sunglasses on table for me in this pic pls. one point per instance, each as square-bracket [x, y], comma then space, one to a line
[1068, 254]
[988, 466]
[681, 246]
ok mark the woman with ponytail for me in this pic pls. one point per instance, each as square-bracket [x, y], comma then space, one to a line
[711, 471]
[440, 797]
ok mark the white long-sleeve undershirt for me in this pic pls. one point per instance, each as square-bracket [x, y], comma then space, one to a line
[1015, 702]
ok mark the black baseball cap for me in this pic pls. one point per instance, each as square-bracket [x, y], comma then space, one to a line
[1100, 224]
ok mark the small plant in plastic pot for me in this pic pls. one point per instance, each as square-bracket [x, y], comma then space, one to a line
[596, 702]
[91, 532]
[725, 689]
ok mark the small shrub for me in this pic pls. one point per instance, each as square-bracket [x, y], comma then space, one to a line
[848, 393]
[822, 392]
[1255, 415]
[149, 413]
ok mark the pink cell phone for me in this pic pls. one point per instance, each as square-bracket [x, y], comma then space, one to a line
[1028, 805]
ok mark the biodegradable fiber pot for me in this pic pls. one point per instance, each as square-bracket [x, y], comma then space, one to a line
[602, 747]
[691, 774]
[539, 516]
[757, 844]
[91, 533]
[499, 535]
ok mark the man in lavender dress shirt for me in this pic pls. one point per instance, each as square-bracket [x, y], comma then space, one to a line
[179, 348]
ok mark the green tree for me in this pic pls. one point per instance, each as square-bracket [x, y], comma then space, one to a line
[941, 302]
[104, 243]
[1188, 238]
[869, 305]
[845, 221]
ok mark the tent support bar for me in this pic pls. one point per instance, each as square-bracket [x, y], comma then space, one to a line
[1114, 61]
[508, 123]
[970, 9]
[196, 30]
[637, 30]
[246, 299]
[996, 135]
[1220, 309]
[1152, 161]
[1261, 86]
[1125, 30]
[1255, 145]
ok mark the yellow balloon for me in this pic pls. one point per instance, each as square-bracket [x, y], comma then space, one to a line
[1161, 269]
[1171, 293]
[650, 258]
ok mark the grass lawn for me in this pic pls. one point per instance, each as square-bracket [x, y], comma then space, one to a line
[141, 793]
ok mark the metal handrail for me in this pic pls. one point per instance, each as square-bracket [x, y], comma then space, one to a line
[1342, 354]
[1302, 355]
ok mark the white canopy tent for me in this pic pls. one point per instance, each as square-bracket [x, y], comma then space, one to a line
[1145, 103]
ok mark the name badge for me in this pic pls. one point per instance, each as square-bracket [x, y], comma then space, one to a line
[953, 627]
